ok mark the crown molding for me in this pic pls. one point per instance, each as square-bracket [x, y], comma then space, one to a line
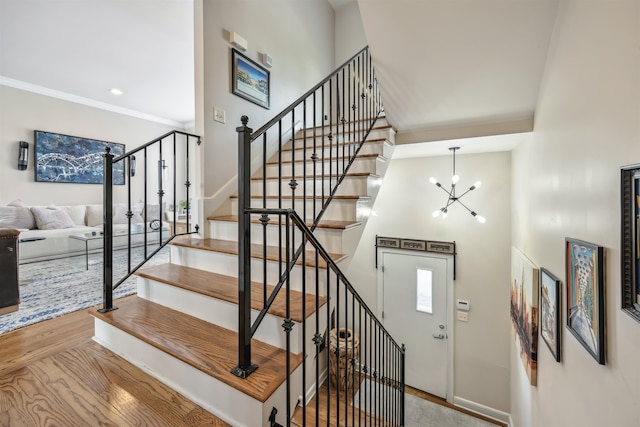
[41, 90]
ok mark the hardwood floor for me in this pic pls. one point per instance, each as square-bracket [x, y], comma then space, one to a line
[53, 374]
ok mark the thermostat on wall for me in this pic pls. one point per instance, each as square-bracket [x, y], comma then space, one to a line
[463, 305]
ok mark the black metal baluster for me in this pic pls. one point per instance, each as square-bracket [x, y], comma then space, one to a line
[338, 349]
[328, 344]
[288, 323]
[304, 328]
[264, 219]
[304, 162]
[280, 184]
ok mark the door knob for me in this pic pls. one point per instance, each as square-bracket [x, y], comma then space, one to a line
[439, 336]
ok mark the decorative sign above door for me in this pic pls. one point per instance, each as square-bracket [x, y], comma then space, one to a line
[417, 245]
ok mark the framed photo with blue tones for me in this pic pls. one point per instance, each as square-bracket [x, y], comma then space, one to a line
[249, 80]
[550, 311]
[72, 159]
[585, 295]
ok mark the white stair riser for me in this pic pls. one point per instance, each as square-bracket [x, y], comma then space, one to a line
[225, 314]
[229, 404]
[357, 185]
[338, 209]
[336, 150]
[330, 239]
[227, 264]
[361, 164]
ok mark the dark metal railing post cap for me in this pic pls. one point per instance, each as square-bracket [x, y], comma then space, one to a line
[244, 128]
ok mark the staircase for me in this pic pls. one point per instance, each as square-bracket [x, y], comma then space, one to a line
[185, 326]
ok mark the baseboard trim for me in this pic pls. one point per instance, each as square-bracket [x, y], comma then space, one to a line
[486, 411]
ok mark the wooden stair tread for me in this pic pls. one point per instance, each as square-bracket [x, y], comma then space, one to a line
[225, 288]
[359, 156]
[231, 247]
[205, 346]
[334, 144]
[346, 123]
[332, 224]
[309, 197]
[349, 175]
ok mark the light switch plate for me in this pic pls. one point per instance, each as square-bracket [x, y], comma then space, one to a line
[219, 115]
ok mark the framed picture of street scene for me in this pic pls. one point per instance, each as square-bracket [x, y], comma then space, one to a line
[585, 295]
[73, 159]
[249, 80]
[524, 311]
[550, 311]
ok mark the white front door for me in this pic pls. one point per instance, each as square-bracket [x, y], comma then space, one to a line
[414, 311]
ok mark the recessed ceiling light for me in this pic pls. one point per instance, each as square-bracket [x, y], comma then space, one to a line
[116, 91]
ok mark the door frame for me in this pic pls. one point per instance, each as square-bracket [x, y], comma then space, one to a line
[449, 303]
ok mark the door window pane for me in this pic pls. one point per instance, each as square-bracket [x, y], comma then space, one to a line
[424, 291]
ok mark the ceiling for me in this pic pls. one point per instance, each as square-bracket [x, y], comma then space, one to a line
[447, 69]
[80, 49]
[468, 68]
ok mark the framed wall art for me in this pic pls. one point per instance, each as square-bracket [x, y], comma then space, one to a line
[630, 239]
[72, 159]
[585, 295]
[550, 311]
[524, 311]
[249, 80]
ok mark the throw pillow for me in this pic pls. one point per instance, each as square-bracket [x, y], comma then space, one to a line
[17, 203]
[94, 215]
[16, 217]
[76, 212]
[52, 219]
[120, 214]
[153, 211]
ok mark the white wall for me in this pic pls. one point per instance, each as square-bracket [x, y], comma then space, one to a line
[298, 35]
[566, 182]
[403, 209]
[350, 37]
[22, 112]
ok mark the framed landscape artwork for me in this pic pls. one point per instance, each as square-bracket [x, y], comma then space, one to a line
[524, 311]
[249, 80]
[585, 295]
[550, 312]
[64, 158]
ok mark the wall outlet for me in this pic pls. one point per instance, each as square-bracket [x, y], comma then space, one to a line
[219, 115]
[463, 316]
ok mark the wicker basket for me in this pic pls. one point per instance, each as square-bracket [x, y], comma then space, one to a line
[344, 346]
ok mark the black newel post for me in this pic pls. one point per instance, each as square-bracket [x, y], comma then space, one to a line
[107, 212]
[245, 367]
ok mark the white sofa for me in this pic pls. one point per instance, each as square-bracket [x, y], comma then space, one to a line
[45, 231]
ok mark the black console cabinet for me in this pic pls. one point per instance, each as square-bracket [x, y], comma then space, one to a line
[9, 290]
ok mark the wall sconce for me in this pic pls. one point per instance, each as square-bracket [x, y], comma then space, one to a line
[132, 165]
[23, 155]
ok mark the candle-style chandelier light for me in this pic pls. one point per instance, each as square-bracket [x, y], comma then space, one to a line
[452, 197]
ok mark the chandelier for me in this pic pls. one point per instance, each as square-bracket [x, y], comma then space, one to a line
[452, 197]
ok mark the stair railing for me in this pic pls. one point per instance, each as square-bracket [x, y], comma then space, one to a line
[147, 225]
[349, 101]
[327, 127]
[366, 372]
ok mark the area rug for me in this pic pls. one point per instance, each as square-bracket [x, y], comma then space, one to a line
[423, 413]
[58, 287]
